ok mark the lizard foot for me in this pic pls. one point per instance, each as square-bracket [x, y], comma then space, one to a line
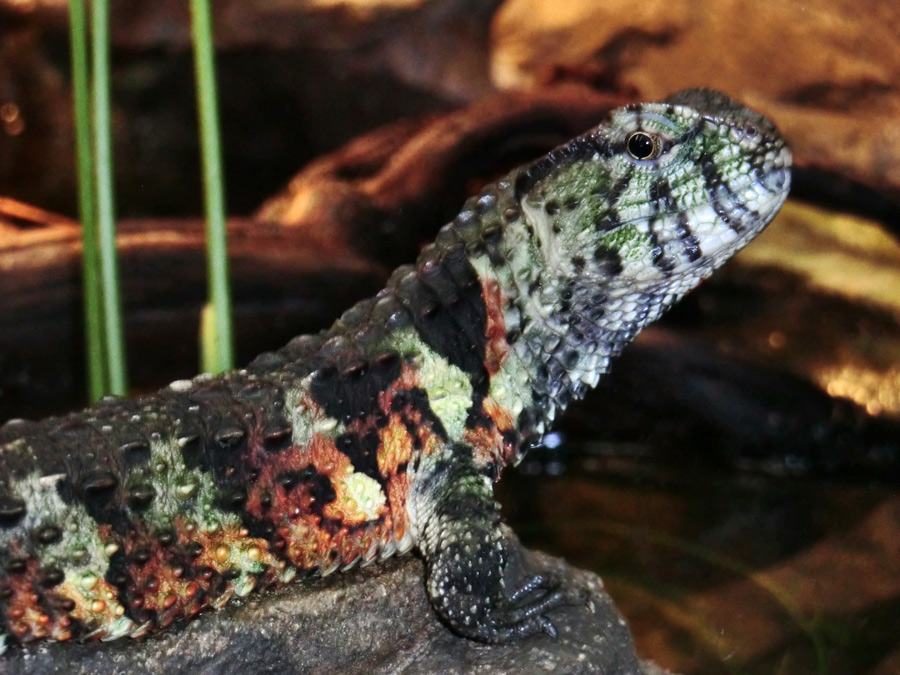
[524, 612]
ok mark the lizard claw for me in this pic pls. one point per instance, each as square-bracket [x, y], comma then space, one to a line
[548, 627]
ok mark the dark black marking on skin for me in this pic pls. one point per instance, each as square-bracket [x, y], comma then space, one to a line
[449, 313]
[140, 496]
[658, 254]
[317, 485]
[579, 149]
[224, 443]
[477, 417]
[415, 400]
[99, 482]
[620, 186]
[232, 496]
[260, 393]
[362, 451]
[47, 534]
[611, 219]
[739, 206]
[713, 182]
[166, 537]
[347, 396]
[692, 250]
[658, 193]
[140, 555]
[230, 437]
[135, 453]
[16, 565]
[609, 259]
[277, 435]
[191, 447]
[12, 510]
[664, 205]
[48, 577]
[661, 200]
[117, 576]
[100, 490]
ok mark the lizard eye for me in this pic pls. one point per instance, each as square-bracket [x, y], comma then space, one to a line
[642, 145]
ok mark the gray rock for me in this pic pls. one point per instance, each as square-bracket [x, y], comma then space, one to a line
[374, 620]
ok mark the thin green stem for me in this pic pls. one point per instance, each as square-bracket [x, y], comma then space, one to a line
[218, 350]
[93, 292]
[106, 220]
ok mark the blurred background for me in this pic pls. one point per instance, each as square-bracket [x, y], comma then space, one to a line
[734, 481]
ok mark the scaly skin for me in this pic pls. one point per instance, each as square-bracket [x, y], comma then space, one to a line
[386, 431]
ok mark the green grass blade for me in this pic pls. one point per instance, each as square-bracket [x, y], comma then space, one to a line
[218, 348]
[106, 223]
[208, 333]
[93, 293]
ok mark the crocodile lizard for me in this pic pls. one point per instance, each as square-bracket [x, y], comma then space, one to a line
[387, 431]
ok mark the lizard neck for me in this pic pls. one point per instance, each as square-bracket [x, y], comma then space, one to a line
[569, 333]
[557, 344]
[566, 315]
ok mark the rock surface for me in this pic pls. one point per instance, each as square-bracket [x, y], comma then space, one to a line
[370, 621]
[820, 71]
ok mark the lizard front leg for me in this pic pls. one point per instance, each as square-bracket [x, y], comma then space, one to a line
[459, 533]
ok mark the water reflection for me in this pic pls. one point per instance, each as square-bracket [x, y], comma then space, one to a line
[719, 572]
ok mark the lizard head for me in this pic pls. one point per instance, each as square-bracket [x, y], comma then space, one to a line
[622, 221]
[615, 226]
[658, 196]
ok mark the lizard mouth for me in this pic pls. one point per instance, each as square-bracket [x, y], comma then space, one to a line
[693, 241]
[744, 207]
